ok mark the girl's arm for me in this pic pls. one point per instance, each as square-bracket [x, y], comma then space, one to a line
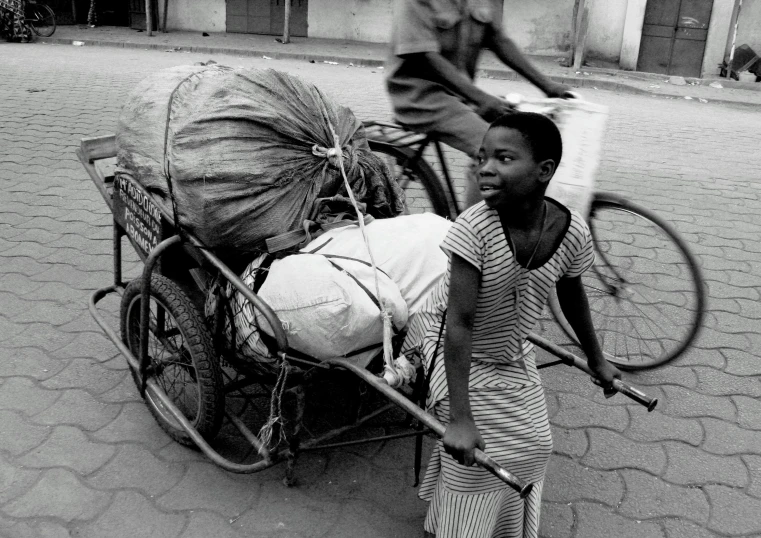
[461, 436]
[575, 307]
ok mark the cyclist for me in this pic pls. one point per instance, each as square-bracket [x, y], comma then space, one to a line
[435, 46]
[12, 25]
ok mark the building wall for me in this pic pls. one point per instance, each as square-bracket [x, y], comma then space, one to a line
[749, 28]
[356, 20]
[194, 15]
[606, 29]
[718, 32]
[539, 26]
[546, 26]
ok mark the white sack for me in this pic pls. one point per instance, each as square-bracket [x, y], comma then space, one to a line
[406, 248]
[323, 310]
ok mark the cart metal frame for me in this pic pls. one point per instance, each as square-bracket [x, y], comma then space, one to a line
[189, 252]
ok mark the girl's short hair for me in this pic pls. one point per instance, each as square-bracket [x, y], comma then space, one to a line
[541, 133]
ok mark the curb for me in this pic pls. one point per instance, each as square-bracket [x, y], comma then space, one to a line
[500, 74]
[357, 61]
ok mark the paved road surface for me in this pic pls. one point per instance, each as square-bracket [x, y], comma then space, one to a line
[81, 456]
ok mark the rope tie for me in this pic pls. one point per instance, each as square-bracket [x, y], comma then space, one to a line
[398, 371]
[276, 409]
[337, 156]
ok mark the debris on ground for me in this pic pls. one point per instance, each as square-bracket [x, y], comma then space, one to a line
[716, 84]
[653, 86]
[688, 97]
[266, 57]
[78, 43]
[746, 76]
[330, 63]
[677, 81]
[702, 100]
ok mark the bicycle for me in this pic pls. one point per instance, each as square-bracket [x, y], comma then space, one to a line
[645, 290]
[40, 18]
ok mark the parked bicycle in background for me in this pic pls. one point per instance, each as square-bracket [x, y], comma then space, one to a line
[40, 18]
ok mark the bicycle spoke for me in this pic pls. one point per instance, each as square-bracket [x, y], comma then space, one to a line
[645, 296]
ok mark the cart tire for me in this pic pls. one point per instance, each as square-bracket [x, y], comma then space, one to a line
[646, 291]
[421, 185]
[194, 381]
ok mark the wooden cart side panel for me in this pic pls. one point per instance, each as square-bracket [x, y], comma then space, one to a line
[102, 183]
[98, 147]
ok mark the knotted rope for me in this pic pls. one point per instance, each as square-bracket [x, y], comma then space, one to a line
[276, 409]
[398, 371]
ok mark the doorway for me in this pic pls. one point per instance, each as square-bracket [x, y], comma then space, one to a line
[674, 37]
[266, 17]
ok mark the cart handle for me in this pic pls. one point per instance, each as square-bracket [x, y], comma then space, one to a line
[572, 360]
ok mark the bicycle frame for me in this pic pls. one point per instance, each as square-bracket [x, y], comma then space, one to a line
[431, 139]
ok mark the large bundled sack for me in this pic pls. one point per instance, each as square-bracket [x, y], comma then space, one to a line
[238, 155]
[328, 307]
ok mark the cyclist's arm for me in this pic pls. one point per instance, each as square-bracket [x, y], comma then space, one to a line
[445, 73]
[575, 306]
[507, 51]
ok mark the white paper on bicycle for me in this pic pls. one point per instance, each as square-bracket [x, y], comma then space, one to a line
[582, 126]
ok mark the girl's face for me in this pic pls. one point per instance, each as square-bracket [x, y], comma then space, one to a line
[506, 168]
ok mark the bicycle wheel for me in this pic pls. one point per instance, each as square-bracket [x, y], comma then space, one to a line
[182, 359]
[645, 290]
[40, 19]
[421, 185]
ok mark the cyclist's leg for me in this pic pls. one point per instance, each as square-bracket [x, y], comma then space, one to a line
[453, 122]
[464, 130]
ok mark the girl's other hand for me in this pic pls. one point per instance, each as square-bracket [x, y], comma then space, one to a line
[461, 439]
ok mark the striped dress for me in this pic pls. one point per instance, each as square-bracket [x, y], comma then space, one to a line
[506, 395]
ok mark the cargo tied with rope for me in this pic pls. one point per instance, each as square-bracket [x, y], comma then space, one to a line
[277, 267]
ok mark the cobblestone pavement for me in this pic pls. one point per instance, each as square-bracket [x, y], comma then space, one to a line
[81, 455]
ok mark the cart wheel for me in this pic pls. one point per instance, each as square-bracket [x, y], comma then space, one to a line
[182, 358]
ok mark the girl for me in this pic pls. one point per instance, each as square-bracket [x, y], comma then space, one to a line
[506, 254]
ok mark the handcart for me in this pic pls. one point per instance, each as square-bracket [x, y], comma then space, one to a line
[192, 381]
